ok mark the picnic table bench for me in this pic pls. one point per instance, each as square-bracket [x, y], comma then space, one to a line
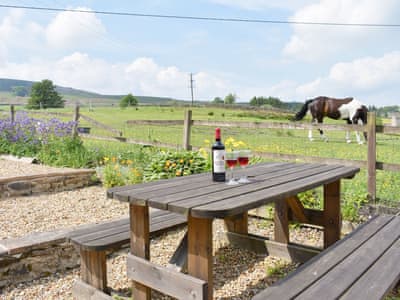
[96, 241]
[363, 265]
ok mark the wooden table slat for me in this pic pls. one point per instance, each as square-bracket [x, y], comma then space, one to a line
[123, 193]
[162, 201]
[224, 191]
[236, 205]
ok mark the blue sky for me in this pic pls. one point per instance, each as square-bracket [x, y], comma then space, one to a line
[153, 56]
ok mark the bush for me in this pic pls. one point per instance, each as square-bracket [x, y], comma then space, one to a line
[67, 152]
[172, 164]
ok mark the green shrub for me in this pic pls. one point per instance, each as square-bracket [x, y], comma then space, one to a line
[167, 164]
[67, 152]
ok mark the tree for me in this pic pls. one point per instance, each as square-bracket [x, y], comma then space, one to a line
[128, 100]
[271, 101]
[44, 95]
[230, 99]
[217, 100]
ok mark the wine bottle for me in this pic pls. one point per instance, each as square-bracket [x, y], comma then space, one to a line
[218, 158]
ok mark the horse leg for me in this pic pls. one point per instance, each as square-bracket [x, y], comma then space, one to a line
[348, 140]
[322, 135]
[359, 141]
[321, 132]
[310, 135]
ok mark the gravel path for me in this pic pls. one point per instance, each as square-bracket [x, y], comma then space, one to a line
[238, 274]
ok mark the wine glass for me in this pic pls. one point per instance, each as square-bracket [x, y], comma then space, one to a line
[231, 159]
[243, 159]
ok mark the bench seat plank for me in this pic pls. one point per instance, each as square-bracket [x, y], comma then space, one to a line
[373, 285]
[344, 274]
[307, 274]
[116, 233]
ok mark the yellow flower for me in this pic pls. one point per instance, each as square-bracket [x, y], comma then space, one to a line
[191, 161]
[106, 159]
[129, 162]
[178, 173]
[229, 140]
[167, 163]
[174, 165]
[181, 161]
[113, 159]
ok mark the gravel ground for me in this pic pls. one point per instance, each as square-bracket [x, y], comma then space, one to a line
[13, 168]
[238, 274]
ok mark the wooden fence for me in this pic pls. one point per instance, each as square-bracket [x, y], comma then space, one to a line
[371, 164]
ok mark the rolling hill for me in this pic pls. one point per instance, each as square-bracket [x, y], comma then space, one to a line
[72, 96]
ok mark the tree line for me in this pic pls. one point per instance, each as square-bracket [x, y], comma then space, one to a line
[43, 95]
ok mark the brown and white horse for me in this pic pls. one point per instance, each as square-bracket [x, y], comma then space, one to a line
[349, 109]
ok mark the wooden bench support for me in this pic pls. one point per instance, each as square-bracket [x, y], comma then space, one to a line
[94, 268]
[97, 240]
[237, 223]
[363, 265]
[140, 244]
[261, 245]
[281, 221]
[82, 290]
[165, 280]
[200, 258]
[178, 260]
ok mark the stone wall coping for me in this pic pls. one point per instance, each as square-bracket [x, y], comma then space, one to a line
[45, 175]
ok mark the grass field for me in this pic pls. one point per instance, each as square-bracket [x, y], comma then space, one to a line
[264, 140]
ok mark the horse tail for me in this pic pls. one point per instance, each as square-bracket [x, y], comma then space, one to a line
[303, 111]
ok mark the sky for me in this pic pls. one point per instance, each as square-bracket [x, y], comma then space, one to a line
[119, 54]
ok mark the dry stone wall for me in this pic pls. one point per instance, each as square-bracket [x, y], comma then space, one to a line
[40, 183]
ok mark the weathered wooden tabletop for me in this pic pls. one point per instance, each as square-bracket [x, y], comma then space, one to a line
[200, 197]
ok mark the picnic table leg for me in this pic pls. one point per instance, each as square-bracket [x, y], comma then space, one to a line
[238, 223]
[200, 258]
[140, 244]
[331, 213]
[281, 221]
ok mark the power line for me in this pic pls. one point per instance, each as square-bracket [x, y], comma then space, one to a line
[181, 17]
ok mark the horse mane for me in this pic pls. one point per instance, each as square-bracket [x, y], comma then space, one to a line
[303, 111]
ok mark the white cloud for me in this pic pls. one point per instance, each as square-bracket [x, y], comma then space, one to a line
[311, 42]
[70, 29]
[363, 78]
[143, 76]
[18, 35]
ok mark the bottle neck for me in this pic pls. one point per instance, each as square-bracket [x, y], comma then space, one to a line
[218, 134]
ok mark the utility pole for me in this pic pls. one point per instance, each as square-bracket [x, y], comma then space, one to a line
[191, 86]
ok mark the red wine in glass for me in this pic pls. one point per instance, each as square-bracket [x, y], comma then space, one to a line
[231, 162]
[231, 159]
[243, 161]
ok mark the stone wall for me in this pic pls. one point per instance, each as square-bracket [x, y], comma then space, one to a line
[39, 261]
[40, 183]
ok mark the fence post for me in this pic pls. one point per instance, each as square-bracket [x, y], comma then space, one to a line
[187, 124]
[76, 120]
[371, 156]
[12, 113]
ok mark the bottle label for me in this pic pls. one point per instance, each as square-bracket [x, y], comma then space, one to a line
[219, 161]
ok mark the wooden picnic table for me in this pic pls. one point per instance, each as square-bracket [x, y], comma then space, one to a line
[202, 200]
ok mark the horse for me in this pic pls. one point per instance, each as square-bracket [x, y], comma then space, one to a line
[349, 109]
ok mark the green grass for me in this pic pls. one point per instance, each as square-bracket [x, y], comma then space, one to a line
[265, 140]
